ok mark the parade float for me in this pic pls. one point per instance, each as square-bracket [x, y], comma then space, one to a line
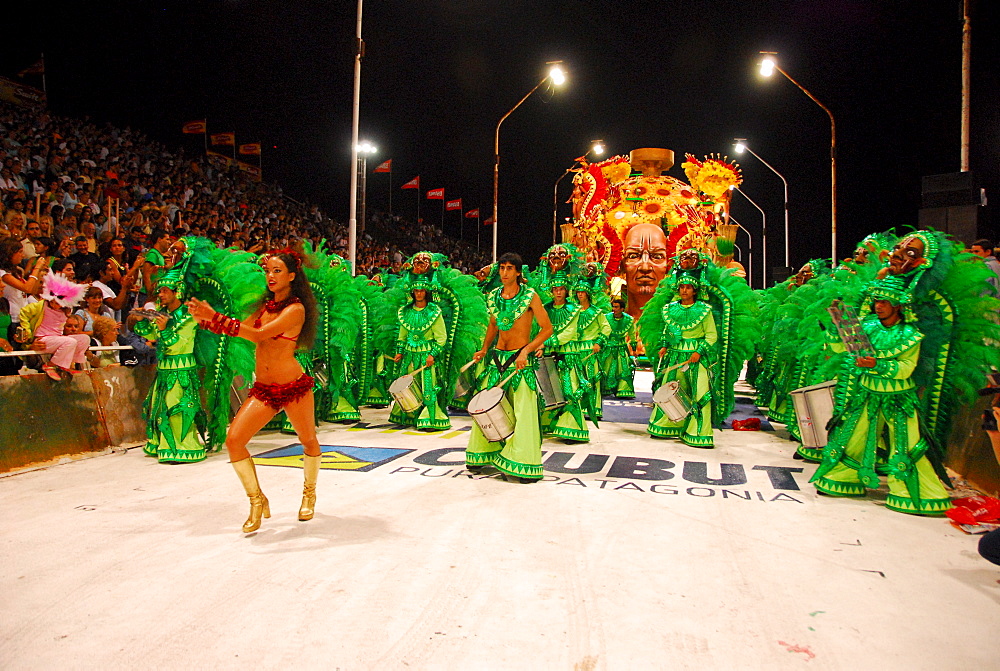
[633, 218]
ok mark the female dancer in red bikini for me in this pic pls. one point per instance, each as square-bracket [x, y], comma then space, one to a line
[285, 321]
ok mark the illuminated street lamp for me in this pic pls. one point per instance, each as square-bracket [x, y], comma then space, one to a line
[557, 76]
[363, 150]
[763, 235]
[741, 146]
[767, 67]
[597, 147]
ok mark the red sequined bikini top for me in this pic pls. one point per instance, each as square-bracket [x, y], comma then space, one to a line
[272, 306]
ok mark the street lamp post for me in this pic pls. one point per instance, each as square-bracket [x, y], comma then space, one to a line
[741, 146]
[763, 236]
[767, 68]
[597, 146]
[557, 76]
[749, 253]
[363, 150]
[352, 225]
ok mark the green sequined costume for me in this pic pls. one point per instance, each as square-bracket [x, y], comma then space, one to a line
[521, 454]
[687, 329]
[616, 361]
[573, 343]
[886, 397]
[173, 403]
[421, 334]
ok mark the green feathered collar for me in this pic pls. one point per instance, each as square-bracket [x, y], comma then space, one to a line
[561, 316]
[418, 321]
[685, 317]
[890, 341]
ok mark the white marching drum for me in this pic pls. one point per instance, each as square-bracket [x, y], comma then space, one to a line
[466, 381]
[672, 401]
[492, 412]
[550, 383]
[406, 393]
[813, 409]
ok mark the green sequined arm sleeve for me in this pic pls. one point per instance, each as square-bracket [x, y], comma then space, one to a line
[707, 345]
[439, 335]
[898, 368]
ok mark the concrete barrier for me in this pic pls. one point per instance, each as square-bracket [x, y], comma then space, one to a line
[41, 419]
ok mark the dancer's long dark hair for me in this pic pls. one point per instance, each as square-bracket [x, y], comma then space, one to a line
[300, 289]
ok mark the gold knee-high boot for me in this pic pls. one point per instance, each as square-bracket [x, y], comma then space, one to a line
[310, 467]
[258, 502]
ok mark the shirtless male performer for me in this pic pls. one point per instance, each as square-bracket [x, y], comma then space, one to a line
[512, 307]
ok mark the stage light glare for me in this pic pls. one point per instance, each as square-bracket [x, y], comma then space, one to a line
[557, 75]
[767, 66]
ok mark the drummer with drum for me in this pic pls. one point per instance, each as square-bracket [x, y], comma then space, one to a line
[507, 431]
[420, 400]
[579, 331]
[686, 353]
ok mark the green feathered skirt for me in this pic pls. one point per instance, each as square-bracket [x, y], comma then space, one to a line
[171, 410]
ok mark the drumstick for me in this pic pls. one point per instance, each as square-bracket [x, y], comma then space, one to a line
[466, 366]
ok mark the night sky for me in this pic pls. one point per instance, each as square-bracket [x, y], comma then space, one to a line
[438, 76]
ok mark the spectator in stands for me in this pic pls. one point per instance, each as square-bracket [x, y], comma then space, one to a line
[105, 334]
[64, 248]
[18, 289]
[15, 220]
[143, 353]
[65, 268]
[94, 308]
[32, 231]
[74, 324]
[983, 248]
[85, 262]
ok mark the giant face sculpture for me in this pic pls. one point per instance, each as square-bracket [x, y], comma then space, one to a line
[645, 259]
[907, 255]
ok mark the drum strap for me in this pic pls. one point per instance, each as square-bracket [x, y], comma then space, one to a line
[502, 368]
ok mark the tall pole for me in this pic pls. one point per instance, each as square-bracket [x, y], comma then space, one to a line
[363, 176]
[966, 80]
[555, 205]
[833, 165]
[763, 220]
[749, 253]
[496, 162]
[785, 183]
[352, 226]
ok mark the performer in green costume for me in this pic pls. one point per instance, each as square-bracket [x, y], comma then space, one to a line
[687, 352]
[422, 337]
[462, 309]
[173, 403]
[929, 338]
[567, 421]
[512, 310]
[618, 357]
[194, 365]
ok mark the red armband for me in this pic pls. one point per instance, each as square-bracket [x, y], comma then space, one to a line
[223, 325]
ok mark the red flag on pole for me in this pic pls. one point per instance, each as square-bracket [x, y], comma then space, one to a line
[488, 222]
[472, 214]
[194, 127]
[453, 204]
[384, 166]
[435, 194]
[224, 139]
[252, 149]
[412, 184]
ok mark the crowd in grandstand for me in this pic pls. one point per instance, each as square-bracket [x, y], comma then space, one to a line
[89, 202]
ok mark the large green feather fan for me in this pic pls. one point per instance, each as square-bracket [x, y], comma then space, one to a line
[232, 283]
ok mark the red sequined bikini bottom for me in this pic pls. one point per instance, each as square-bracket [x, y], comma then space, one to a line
[277, 396]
